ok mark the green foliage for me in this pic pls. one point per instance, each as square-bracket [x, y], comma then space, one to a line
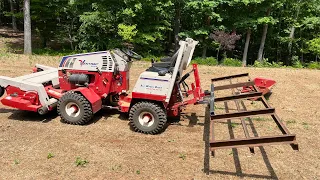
[296, 62]
[151, 27]
[127, 32]
[314, 45]
[16, 162]
[81, 162]
[234, 125]
[265, 63]
[314, 65]
[51, 52]
[291, 121]
[116, 167]
[209, 61]
[150, 57]
[231, 62]
[50, 155]
[182, 156]
[305, 125]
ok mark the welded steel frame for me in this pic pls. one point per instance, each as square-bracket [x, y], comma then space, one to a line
[285, 138]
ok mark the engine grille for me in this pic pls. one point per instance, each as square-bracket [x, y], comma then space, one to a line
[107, 63]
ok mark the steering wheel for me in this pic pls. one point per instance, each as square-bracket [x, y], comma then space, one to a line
[131, 54]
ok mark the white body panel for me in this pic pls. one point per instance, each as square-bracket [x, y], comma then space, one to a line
[105, 61]
[33, 82]
[152, 83]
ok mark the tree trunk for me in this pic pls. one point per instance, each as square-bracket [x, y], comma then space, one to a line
[263, 38]
[204, 51]
[14, 20]
[177, 20]
[218, 52]
[27, 27]
[44, 42]
[246, 47]
[291, 37]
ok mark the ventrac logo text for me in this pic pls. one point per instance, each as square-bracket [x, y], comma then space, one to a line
[84, 63]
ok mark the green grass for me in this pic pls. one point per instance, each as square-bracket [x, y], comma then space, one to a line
[116, 167]
[209, 61]
[291, 121]
[182, 156]
[259, 119]
[305, 125]
[234, 125]
[231, 62]
[50, 155]
[81, 162]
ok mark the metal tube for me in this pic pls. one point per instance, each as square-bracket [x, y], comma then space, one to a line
[229, 86]
[230, 77]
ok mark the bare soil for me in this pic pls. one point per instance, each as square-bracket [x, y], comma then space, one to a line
[116, 152]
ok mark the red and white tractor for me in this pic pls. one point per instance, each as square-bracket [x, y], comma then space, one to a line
[85, 83]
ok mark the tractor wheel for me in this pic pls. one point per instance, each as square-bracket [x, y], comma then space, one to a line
[74, 109]
[1, 91]
[147, 117]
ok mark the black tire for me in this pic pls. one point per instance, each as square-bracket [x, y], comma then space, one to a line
[159, 117]
[2, 90]
[83, 105]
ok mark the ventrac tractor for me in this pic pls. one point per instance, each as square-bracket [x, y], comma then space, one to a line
[83, 84]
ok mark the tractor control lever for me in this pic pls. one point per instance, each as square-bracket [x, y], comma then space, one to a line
[185, 76]
[184, 84]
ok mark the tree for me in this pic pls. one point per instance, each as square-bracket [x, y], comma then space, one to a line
[199, 21]
[246, 48]
[263, 38]
[14, 20]
[27, 28]
[226, 40]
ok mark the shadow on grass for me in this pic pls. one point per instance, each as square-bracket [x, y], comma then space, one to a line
[237, 163]
[20, 115]
[30, 116]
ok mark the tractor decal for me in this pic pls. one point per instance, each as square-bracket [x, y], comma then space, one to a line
[152, 79]
[63, 61]
[152, 87]
[84, 63]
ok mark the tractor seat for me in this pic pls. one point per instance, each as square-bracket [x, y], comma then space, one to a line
[165, 65]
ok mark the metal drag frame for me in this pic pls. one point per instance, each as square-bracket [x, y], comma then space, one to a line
[237, 97]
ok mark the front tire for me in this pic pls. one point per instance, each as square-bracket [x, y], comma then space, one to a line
[147, 117]
[74, 109]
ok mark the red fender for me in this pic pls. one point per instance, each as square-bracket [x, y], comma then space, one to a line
[92, 97]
